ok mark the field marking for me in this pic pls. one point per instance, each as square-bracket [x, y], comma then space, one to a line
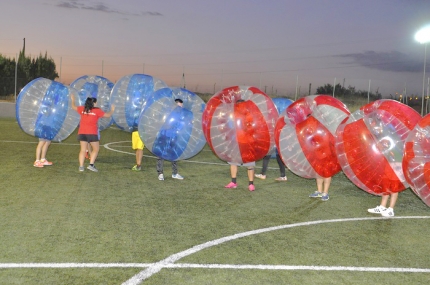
[213, 266]
[167, 262]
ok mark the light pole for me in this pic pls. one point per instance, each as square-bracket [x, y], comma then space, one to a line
[423, 37]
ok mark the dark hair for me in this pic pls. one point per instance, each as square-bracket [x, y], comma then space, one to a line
[179, 100]
[89, 104]
[240, 101]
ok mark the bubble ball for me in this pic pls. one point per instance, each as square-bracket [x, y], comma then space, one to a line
[128, 96]
[96, 87]
[305, 133]
[370, 145]
[43, 110]
[416, 159]
[240, 132]
[168, 130]
[281, 104]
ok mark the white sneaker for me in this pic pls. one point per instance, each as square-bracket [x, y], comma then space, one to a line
[389, 212]
[177, 176]
[161, 177]
[377, 210]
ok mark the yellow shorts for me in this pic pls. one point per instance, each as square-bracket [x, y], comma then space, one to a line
[136, 142]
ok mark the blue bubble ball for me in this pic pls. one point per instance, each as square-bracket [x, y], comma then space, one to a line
[43, 110]
[170, 131]
[128, 96]
[96, 87]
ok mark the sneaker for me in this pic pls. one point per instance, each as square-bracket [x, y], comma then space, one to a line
[316, 194]
[137, 168]
[37, 163]
[282, 178]
[81, 168]
[231, 185]
[45, 162]
[92, 168]
[377, 210]
[251, 187]
[325, 197]
[161, 177]
[177, 176]
[389, 212]
[261, 176]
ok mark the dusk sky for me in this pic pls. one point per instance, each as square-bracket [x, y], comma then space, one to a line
[276, 45]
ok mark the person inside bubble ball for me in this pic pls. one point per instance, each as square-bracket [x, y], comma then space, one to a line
[249, 165]
[88, 132]
[160, 161]
[41, 150]
[137, 145]
[392, 181]
[266, 160]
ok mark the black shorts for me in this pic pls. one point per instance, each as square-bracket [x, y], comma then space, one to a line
[88, 138]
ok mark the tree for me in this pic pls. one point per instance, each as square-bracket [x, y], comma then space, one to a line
[28, 69]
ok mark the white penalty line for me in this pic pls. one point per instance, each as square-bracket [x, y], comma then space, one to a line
[213, 266]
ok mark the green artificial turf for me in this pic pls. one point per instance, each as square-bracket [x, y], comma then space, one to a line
[58, 215]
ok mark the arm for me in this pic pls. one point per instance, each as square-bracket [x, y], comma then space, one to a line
[109, 114]
[73, 103]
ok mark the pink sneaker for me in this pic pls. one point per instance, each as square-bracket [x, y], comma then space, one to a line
[251, 187]
[45, 162]
[38, 164]
[231, 185]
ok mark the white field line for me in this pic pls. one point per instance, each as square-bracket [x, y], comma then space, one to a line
[213, 266]
[167, 262]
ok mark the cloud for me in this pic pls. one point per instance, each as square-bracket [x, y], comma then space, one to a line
[387, 61]
[100, 7]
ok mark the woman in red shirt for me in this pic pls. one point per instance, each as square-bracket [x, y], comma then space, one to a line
[88, 132]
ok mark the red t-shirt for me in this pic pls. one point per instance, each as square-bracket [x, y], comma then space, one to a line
[88, 124]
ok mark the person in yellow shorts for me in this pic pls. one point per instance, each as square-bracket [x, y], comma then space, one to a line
[137, 145]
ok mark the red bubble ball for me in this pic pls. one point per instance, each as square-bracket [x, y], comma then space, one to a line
[238, 123]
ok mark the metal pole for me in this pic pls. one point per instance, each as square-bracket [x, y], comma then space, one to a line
[16, 74]
[334, 85]
[61, 62]
[368, 93]
[297, 83]
[424, 79]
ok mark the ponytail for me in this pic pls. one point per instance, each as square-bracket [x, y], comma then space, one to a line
[89, 104]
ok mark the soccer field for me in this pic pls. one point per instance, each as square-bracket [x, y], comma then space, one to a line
[118, 226]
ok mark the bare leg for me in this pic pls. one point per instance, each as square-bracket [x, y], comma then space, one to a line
[95, 151]
[45, 149]
[384, 200]
[139, 156]
[39, 149]
[323, 184]
[250, 174]
[82, 152]
[233, 171]
[393, 200]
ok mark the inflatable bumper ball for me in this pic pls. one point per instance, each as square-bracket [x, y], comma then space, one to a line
[43, 110]
[238, 124]
[128, 96]
[305, 134]
[168, 130]
[416, 160]
[370, 146]
[96, 87]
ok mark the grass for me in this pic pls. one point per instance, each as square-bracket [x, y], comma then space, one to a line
[58, 215]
